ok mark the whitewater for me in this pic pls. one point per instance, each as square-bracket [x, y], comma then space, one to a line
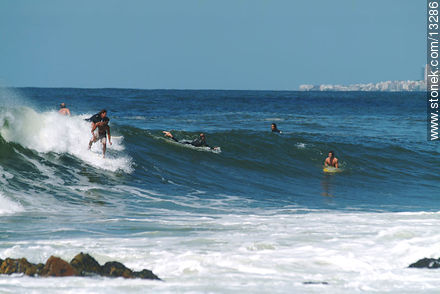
[258, 217]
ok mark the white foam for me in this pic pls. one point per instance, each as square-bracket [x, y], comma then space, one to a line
[8, 206]
[49, 172]
[264, 252]
[274, 119]
[137, 117]
[51, 132]
[300, 145]
[5, 176]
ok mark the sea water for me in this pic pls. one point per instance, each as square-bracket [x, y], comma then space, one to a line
[258, 217]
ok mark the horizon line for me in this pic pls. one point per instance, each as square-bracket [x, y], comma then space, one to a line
[176, 89]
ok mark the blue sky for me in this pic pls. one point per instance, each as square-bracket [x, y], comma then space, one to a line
[202, 44]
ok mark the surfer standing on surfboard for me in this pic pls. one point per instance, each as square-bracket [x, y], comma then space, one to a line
[103, 132]
[331, 160]
[100, 121]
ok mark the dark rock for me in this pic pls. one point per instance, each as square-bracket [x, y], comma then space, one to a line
[145, 274]
[81, 265]
[9, 266]
[56, 267]
[315, 283]
[40, 267]
[18, 266]
[26, 267]
[426, 263]
[116, 269]
[86, 265]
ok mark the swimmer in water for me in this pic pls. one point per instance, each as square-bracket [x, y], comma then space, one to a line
[274, 128]
[64, 110]
[331, 160]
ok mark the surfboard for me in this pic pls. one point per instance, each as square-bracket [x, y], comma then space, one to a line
[331, 169]
[202, 148]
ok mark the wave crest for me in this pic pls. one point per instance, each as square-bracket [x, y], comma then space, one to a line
[51, 132]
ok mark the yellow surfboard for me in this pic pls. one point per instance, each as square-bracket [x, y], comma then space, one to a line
[331, 169]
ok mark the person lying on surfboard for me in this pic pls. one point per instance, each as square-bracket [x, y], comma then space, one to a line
[198, 142]
[331, 160]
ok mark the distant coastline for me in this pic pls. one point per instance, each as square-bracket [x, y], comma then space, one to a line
[387, 86]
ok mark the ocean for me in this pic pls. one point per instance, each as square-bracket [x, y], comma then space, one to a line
[260, 216]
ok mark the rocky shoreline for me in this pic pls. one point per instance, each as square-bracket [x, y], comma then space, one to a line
[84, 265]
[81, 265]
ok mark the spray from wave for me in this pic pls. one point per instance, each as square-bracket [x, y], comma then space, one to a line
[8, 206]
[47, 132]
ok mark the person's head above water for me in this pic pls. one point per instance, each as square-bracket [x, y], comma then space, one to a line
[103, 113]
[63, 105]
[331, 154]
[274, 128]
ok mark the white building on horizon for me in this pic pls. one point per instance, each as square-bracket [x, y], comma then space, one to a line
[391, 86]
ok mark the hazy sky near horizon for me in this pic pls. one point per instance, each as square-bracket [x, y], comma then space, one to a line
[202, 44]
